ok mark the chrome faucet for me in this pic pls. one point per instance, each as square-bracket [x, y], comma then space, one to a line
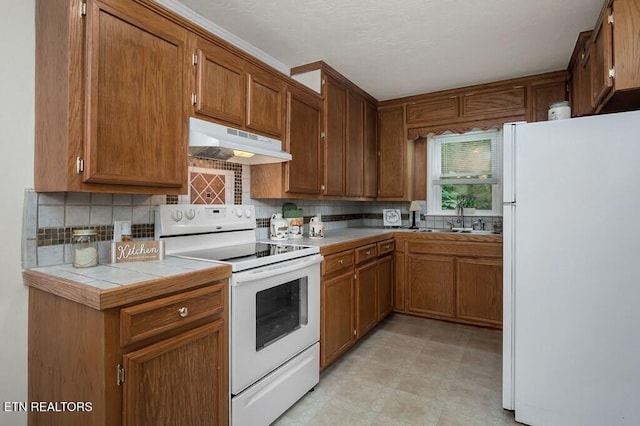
[460, 214]
[480, 224]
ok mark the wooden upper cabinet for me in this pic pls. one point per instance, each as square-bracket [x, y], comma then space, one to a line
[580, 77]
[301, 177]
[233, 90]
[370, 141]
[350, 133]
[608, 79]
[394, 178]
[111, 99]
[436, 110]
[601, 56]
[335, 104]
[354, 158]
[220, 83]
[626, 45]
[135, 98]
[303, 142]
[494, 102]
[265, 101]
[543, 93]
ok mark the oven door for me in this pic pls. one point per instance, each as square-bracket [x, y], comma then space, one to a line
[275, 315]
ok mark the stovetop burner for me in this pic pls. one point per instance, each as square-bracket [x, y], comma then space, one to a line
[243, 252]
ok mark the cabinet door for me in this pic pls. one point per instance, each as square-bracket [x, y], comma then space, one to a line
[541, 96]
[182, 380]
[399, 283]
[366, 298]
[430, 284]
[337, 328]
[136, 98]
[392, 144]
[220, 86]
[370, 150]
[385, 286]
[265, 102]
[303, 142]
[434, 111]
[334, 142]
[479, 283]
[602, 60]
[581, 85]
[494, 103]
[355, 145]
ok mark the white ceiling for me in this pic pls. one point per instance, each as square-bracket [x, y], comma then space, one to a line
[395, 48]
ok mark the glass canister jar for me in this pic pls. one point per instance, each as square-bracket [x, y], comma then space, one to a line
[84, 248]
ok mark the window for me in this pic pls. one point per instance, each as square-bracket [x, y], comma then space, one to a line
[465, 168]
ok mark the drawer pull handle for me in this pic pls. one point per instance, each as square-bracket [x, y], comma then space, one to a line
[183, 312]
[368, 252]
[341, 261]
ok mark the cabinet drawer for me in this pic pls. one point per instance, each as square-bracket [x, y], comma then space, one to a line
[149, 319]
[386, 246]
[366, 253]
[337, 262]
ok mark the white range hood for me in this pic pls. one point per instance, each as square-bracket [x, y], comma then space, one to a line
[214, 141]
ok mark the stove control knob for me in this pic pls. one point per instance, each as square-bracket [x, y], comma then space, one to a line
[190, 214]
[247, 213]
[239, 212]
[176, 215]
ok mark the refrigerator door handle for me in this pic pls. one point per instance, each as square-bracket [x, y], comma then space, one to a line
[508, 308]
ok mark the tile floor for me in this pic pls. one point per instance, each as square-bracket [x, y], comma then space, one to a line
[411, 371]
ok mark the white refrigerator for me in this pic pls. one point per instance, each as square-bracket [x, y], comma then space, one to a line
[571, 336]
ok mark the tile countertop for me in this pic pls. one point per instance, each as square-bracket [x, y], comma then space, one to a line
[343, 235]
[116, 284]
[346, 238]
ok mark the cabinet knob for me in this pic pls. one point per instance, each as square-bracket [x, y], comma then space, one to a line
[368, 252]
[341, 261]
[183, 312]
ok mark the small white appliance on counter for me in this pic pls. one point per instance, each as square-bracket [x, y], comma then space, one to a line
[571, 333]
[274, 307]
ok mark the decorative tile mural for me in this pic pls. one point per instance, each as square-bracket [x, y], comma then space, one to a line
[210, 186]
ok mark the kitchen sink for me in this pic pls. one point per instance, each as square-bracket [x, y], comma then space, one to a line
[456, 231]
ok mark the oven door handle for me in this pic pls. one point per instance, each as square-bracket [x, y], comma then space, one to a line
[278, 269]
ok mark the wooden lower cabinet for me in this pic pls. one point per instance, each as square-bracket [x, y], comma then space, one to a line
[336, 317]
[357, 293]
[366, 297]
[162, 361]
[431, 285]
[479, 285]
[451, 277]
[385, 286]
[190, 362]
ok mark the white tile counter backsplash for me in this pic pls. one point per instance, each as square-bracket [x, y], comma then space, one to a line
[60, 210]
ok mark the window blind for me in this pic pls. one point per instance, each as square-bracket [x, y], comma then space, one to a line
[467, 161]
